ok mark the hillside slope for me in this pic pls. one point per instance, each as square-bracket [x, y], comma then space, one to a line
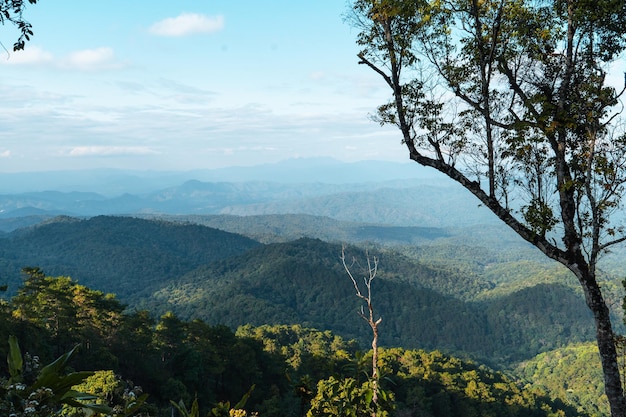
[303, 282]
[224, 278]
[123, 255]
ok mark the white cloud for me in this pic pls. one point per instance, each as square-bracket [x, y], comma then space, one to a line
[5, 154]
[31, 55]
[96, 59]
[111, 151]
[187, 24]
[91, 60]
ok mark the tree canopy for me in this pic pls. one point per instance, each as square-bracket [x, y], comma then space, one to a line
[515, 100]
[293, 368]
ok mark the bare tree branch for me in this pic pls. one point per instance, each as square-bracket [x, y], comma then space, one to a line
[370, 274]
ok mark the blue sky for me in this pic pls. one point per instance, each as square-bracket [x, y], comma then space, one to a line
[178, 85]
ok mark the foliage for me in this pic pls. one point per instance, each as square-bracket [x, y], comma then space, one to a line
[288, 282]
[30, 391]
[571, 373]
[422, 383]
[121, 397]
[11, 12]
[310, 353]
[70, 312]
[434, 384]
[348, 398]
[221, 409]
[285, 283]
[175, 359]
[130, 255]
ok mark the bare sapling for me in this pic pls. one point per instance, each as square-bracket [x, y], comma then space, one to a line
[366, 296]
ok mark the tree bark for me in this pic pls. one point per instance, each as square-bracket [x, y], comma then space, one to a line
[606, 343]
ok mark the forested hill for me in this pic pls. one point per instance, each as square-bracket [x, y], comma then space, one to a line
[224, 278]
[122, 255]
[303, 282]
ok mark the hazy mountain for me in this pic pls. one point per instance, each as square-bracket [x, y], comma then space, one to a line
[114, 182]
[406, 203]
[415, 204]
[271, 228]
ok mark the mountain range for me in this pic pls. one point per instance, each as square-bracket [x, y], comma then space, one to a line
[116, 182]
[226, 278]
[260, 245]
[371, 192]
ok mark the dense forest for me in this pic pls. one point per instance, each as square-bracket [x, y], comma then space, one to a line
[128, 255]
[287, 370]
[224, 278]
[289, 283]
[209, 314]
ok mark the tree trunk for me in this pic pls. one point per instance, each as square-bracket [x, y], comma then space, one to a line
[606, 346]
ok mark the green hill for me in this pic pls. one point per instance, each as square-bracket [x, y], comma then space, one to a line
[224, 278]
[123, 255]
[303, 282]
[287, 366]
[573, 372]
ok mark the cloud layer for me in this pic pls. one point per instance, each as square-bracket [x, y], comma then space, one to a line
[95, 59]
[110, 150]
[91, 59]
[187, 24]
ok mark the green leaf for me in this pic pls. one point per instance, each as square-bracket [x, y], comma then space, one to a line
[98, 408]
[61, 385]
[181, 408]
[14, 360]
[242, 403]
[195, 410]
[383, 395]
[52, 370]
[369, 395]
[77, 395]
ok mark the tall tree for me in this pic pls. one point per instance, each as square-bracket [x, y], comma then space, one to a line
[47, 303]
[70, 312]
[514, 100]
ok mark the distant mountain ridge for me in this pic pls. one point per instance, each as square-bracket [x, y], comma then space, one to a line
[401, 204]
[367, 191]
[115, 182]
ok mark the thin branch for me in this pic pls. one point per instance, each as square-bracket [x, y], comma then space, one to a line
[370, 64]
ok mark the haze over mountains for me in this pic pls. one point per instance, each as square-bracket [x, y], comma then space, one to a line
[361, 198]
[114, 182]
[371, 192]
[374, 201]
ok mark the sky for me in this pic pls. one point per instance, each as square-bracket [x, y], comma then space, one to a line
[187, 84]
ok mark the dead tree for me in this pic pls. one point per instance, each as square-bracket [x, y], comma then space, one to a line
[371, 270]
